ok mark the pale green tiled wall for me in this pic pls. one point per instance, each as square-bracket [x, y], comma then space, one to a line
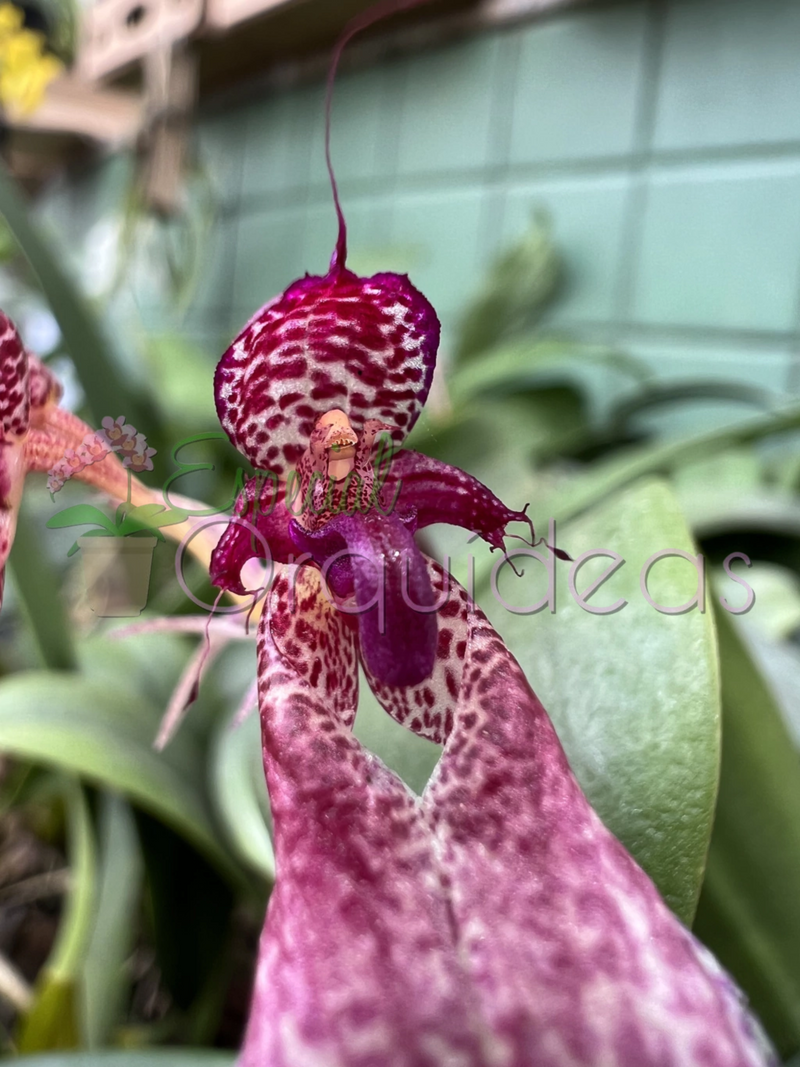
[662, 137]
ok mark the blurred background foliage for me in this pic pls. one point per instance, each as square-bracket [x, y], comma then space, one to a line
[133, 882]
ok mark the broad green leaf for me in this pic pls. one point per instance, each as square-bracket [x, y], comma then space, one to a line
[104, 733]
[713, 510]
[748, 913]
[54, 1018]
[779, 664]
[735, 468]
[240, 793]
[658, 394]
[775, 615]
[104, 387]
[633, 695]
[119, 886]
[36, 585]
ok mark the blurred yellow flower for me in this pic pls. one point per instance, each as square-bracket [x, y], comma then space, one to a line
[25, 70]
[11, 19]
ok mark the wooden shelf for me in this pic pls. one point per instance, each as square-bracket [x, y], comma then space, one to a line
[108, 99]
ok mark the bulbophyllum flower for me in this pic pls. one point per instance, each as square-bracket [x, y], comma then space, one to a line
[304, 393]
[492, 921]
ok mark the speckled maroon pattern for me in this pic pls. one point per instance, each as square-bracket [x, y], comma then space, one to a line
[260, 505]
[35, 433]
[492, 922]
[441, 493]
[14, 387]
[321, 497]
[385, 575]
[365, 345]
[434, 490]
[15, 417]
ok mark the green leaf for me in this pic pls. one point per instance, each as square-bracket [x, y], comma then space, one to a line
[608, 477]
[104, 387]
[659, 394]
[79, 515]
[519, 286]
[76, 920]
[716, 510]
[520, 363]
[748, 913]
[37, 587]
[240, 793]
[53, 1020]
[105, 732]
[633, 695]
[115, 921]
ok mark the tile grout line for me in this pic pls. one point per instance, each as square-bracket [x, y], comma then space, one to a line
[235, 225]
[600, 169]
[501, 121]
[396, 76]
[633, 225]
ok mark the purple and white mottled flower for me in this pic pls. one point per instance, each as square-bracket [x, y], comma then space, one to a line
[493, 921]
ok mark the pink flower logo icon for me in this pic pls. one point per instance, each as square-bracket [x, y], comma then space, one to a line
[118, 436]
[117, 432]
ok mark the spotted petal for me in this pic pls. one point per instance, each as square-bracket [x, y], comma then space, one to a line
[15, 417]
[365, 345]
[439, 492]
[356, 964]
[260, 525]
[494, 923]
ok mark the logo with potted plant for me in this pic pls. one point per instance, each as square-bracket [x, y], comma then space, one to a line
[117, 555]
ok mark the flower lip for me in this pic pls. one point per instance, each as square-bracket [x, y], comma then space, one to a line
[376, 573]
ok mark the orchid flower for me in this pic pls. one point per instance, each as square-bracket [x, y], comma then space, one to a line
[37, 435]
[492, 921]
